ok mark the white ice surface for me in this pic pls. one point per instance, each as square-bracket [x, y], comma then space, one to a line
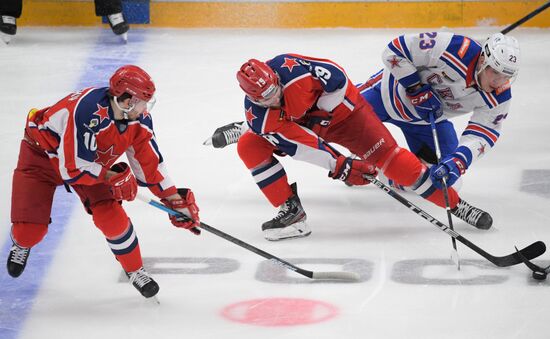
[194, 71]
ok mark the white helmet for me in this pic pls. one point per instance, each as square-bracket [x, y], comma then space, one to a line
[502, 54]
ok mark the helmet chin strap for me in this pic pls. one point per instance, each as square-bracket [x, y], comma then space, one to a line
[481, 68]
[123, 110]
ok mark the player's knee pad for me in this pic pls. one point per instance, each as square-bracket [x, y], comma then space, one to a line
[110, 218]
[401, 166]
[28, 234]
[254, 150]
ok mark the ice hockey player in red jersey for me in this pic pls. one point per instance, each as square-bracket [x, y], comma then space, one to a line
[296, 105]
[75, 143]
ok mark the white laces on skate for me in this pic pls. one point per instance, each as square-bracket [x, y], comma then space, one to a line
[140, 277]
[8, 19]
[116, 19]
[283, 210]
[468, 213]
[19, 254]
[232, 135]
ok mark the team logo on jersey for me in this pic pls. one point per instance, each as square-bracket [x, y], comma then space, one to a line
[481, 149]
[464, 48]
[93, 123]
[289, 63]
[394, 61]
[454, 106]
[446, 93]
[105, 158]
[102, 112]
[250, 116]
[434, 79]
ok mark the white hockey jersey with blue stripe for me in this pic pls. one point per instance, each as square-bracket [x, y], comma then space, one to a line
[447, 62]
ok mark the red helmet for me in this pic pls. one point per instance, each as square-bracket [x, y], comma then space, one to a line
[257, 79]
[132, 80]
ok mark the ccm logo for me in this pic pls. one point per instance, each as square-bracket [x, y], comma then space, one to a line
[417, 100]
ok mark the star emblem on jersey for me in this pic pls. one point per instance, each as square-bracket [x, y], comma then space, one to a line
[394, 61]
[481, 149]
[250, 116]
[102, 113]
[290, 63]
[106, 157]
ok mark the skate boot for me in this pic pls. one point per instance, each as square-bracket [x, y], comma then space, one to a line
[143, 282]
[119, 25]
[472, 215]
[8, 28]
[226, 135]
[290, 222]
[17, 260]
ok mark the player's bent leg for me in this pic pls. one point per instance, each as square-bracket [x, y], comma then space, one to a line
[271, 178]
[111, 219]
[269, 174]
[33, 187]
[405, 169]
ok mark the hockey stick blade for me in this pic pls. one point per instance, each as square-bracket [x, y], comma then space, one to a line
[345, 276]
[530, 252]
[348, 276]
[533, 267]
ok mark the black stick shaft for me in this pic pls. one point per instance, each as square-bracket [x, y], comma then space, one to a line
[532, 251]
[525, 18]
[234, 240]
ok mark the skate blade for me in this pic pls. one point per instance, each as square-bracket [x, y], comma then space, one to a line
[207, 142]
[124, 37]
[6, 38]
[154, 301]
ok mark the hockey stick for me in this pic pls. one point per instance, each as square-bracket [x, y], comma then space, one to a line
[454, 256]
[538, 272]
[348, 276]
[525, 18]
[530, 252]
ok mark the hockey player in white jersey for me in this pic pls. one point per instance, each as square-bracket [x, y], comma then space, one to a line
[446, 75]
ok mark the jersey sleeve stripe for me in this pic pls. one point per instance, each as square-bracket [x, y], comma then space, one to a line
[489, 131]
[396, 48]
[454, 63]
[404, 47]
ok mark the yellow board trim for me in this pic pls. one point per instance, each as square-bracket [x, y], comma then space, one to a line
[298, 14]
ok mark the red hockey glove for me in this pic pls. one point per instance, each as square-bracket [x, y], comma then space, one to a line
[123, 184]
[317, 121]
[351, 171]
[187, 206]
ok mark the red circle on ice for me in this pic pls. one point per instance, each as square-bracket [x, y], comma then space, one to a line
[280, 312]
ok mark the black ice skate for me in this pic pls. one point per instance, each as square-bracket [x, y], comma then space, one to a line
[8, 28]
[143, 282]
[119, 25]
[17, 260]
[226, 135]
[290, 222]
[472, 215]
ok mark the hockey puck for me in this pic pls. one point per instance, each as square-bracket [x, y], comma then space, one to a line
[539, 275]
